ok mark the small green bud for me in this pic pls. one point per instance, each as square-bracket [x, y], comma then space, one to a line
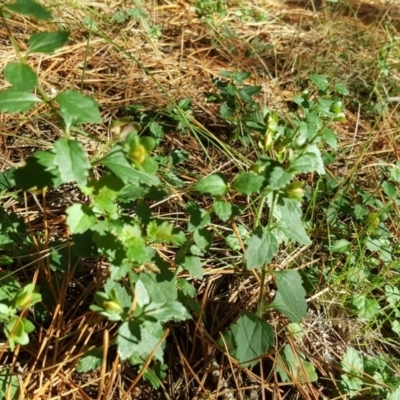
[112, 307]
[294, 190]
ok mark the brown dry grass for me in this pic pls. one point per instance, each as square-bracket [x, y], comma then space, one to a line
[121, 65]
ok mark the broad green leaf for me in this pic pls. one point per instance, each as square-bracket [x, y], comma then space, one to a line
[71, 161]
[341, 89]
[107, 243]
[21, 76]
[320, 81]
[47, 42]
[214, 184]
[80, 218]
[141, 294]
[169, 311]
[199, 217]
[352, 362]
[26, 297]
[248, 183]
[150, 335]
[7, 181]
[227, 110]
[117, 163]
[14, 101]
[223, 209]
[367, 307]
[75, 108]
[288, 213]
[161, 287]
[296, 365]
[309, 161]
[30, 7]
[162, 232]
[128, 339]
[261, 247]
[9, 287]
[194, 266]
[330, 138]
[90, 361]
[202, 238]
[290, 297]
[248, 339]
[248, 92]
[39, 172]
[392, 294]
[9, 385]
[278, 178]
[341, 246]
[394, 395]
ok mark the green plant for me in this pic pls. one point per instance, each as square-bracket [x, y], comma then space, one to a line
[368, 375]
[142, 292]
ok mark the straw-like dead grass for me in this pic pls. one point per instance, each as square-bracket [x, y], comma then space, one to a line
[121, 65]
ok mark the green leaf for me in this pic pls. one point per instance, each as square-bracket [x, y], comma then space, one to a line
[161, 232]
[39, 172]
[309, 161]
[138, 340]
[80, 218]
[150, 335]
[9, 385]
[352, 362]
[290, 297]
[320, 81]
[47, 42]
[90, 361]
[117, 163]
[296, 365]
[199, 217]
[30, 7]
[224, 210]
[161, 287]
[341, 246]
[278, 177]
[71, 161]
[288, 213]
[21, 76]
[341, 89]
[261, 247]
[214, 184]
[169, 311]
[128, 339]
[249, 338]
[367, 308]
[156, 374]
[194, 266]
[330, 138]
[9, 287]
[14, 101]
[202, 238]
[248, 183]
[7, 181]
[75, 108]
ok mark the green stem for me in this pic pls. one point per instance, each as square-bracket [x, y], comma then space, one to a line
[265, 267]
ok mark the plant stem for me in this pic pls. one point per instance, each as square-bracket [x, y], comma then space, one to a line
[264, 269]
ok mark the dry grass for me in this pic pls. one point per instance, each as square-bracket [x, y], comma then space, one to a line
[120, 65]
